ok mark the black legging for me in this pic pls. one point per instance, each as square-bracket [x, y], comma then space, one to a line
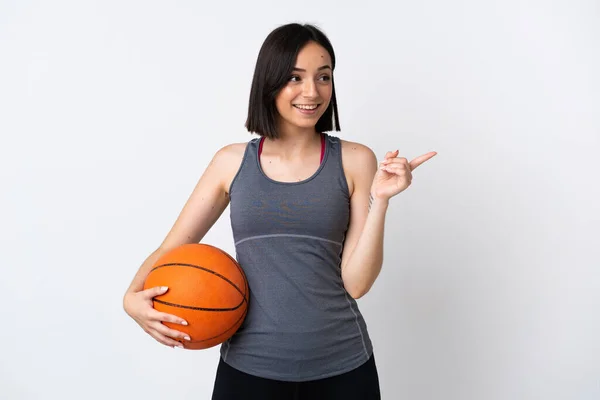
[361, 383]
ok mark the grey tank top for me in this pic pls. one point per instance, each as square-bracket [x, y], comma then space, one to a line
[301, 323]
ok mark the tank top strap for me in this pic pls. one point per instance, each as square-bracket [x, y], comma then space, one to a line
[249, 161]
[334, 165]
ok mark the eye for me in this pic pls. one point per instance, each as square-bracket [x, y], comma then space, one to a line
[294, 78]
[325, 78]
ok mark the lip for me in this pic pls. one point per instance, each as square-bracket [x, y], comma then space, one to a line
[307, 112]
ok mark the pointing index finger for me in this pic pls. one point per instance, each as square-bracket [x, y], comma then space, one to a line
[421, 159]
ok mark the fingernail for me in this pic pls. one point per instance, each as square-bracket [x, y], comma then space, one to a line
[187, 338]
[184, 323]
[179, 346]
[164, 288]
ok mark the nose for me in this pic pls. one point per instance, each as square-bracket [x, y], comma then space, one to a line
[309, 89]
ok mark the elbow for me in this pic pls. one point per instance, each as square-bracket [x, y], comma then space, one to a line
[356, 289]
[357, 295]
[356, 292]
[356, 285]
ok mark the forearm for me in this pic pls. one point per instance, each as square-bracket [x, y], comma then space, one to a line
[364, 264]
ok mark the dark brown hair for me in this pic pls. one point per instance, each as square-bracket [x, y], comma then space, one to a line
[274, 66]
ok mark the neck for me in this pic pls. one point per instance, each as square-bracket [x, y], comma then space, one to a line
[294, 141]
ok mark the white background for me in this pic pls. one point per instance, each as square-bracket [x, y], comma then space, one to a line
[110, 111]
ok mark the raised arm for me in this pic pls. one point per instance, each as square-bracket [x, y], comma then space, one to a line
[372, 186]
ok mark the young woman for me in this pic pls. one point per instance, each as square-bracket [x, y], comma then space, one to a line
[307, 214]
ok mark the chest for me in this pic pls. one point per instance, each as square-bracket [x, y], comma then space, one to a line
[314, 209]
[289, 171]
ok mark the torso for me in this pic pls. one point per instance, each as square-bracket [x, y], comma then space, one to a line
[289, 228]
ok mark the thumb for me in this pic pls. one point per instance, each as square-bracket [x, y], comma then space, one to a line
[155, 291]
[392, 154]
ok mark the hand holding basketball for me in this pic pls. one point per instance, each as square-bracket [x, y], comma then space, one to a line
[207, 287]
[139, 307]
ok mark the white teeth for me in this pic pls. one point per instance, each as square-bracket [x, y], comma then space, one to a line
[305, 107]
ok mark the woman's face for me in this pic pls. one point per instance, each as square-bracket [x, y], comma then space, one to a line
[307, 94]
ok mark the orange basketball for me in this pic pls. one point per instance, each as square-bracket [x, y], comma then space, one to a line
[207, 288]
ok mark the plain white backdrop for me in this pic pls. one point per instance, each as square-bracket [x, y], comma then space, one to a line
[110, 111]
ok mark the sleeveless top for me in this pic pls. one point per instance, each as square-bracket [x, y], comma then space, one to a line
[301, 323]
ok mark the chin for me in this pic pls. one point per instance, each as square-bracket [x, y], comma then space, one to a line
[302, 123]
[306, 126]
[307, 122]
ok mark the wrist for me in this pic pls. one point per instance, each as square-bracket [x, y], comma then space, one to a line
[377, 201]
[374, 195]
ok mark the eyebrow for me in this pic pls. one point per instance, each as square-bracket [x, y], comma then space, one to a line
[319, 69]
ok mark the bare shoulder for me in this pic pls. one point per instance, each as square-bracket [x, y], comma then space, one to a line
[354, 151]
[208, 200]
[230, 153]
[360, 163]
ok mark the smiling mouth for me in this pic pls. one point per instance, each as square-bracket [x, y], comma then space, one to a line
[307, 107]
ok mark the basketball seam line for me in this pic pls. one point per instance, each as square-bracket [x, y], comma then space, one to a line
[203, 269]
[238, 266]
[166, 303]
[222, 333]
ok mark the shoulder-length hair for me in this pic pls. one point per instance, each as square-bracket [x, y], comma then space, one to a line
[275, 63]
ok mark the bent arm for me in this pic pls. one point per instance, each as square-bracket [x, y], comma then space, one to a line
[362, 257]
[203, 208]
